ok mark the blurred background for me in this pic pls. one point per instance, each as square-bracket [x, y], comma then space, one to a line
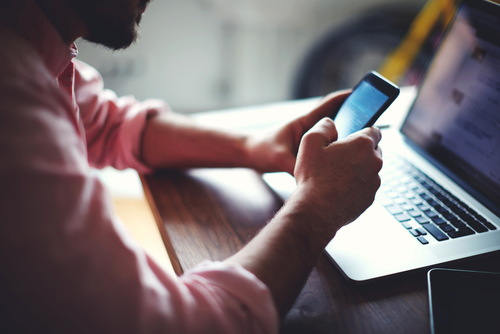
[201, 55]
[214, 54]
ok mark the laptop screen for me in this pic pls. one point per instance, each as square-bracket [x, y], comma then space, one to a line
[456, 116]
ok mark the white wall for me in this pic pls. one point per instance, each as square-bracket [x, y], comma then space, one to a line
[212, 54]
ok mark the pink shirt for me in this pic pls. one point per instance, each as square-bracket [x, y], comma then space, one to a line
[67, 263]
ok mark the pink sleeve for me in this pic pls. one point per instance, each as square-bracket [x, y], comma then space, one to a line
[68, 264]
[235, 291]
[113, 126]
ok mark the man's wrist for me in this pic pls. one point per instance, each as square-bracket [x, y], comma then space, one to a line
[248, 146]
[312, 218]
[252, 152]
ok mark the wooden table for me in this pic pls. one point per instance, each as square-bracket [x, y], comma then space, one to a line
[212, 213]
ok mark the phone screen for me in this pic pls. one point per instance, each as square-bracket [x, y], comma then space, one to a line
[370, 97]
[358, 109]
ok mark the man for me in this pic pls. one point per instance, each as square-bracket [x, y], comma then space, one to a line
[68, 265]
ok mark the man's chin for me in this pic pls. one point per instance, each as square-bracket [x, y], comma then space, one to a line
[114, 40]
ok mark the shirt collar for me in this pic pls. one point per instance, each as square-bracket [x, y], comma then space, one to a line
[26, 19]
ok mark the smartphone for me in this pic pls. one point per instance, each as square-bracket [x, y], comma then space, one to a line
[464, 301]
[368, 100]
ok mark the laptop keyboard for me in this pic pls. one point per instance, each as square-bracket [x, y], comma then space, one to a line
[423, 207]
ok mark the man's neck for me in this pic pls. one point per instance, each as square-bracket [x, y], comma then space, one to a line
[64, 18]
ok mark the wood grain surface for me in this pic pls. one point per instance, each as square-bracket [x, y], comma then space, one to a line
[209, 214]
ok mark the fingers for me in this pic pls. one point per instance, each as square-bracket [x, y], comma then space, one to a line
[328, 106]
[341, 176]
[371, 138]
[373, 133]
[323, 133]
[367, 138]
[319, 137]
[364, 144]
[331, 103]
[288, 162]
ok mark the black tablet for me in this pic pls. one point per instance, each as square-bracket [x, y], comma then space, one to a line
[464, 301]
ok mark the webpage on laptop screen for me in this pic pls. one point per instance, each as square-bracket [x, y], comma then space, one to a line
[456, 117]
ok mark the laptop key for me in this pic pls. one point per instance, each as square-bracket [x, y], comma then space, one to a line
[457, 223]
[423, 207]
[426, 197]
[421, 231]
[441, 197]
[406, 206]
[448, 215]
[422, 240]
[447, 228]
[415, 233]
[406, 225]
[422, 220]
[400, 189]
[403, 217]
[392, 194]
[383, 200]
[433, 203]
[461, 232]
[394, 209]
[416, 201]
[435, 232]
[427, 186]
[459, 211]
[484, 221]
[409, 195]
[441, 209]
[465, 216]
[430, 213]
[399, 200]
[489, 225]
[419, 191]
[406, 180]
[435, 191]
[414, 213]
[439, 221]
[477, 226]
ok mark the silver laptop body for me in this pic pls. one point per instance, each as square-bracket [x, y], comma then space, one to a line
[447, 153]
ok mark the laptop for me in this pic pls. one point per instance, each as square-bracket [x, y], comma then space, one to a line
[440, 195]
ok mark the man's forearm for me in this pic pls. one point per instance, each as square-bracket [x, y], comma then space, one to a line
[336, 182]
[285, 251]
[176, 141]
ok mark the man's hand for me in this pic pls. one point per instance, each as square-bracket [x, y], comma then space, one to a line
[338, 178]
[277, 151]
[336, 182]
[175, 141]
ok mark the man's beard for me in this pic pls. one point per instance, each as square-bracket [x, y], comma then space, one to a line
[110, 22]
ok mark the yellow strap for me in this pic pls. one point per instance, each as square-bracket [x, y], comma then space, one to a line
[398, 62]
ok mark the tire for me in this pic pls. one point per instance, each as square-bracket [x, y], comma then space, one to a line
[345, 54]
